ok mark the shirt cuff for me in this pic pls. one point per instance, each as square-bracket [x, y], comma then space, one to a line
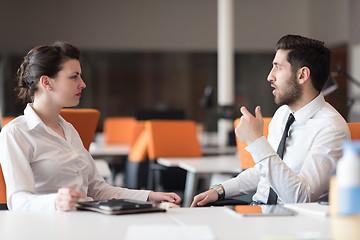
[24, 201]
[48, 198]
[231, 187]
[260, 149]
[146, 195]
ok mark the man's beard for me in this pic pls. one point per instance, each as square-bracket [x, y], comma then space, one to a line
[291, 93]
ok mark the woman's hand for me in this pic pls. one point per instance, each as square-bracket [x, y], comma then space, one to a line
[66, 199]
[159, 197]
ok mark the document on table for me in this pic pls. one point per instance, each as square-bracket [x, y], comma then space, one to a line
[310, 208]
[169, 231]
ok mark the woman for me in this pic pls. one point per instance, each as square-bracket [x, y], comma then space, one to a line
[45, 164]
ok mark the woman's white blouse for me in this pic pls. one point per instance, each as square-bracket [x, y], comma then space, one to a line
[36, 162]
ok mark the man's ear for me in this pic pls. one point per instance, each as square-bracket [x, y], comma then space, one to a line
[303, 75]
[45, 82]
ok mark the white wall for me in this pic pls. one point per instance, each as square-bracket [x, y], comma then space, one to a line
[329, 21]
[353, 90]
[162, 24]
[260, 24]
[354, 21]
[354, 58]
[111, 24]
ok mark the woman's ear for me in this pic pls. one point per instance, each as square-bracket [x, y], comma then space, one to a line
[303, 75]
[45, 82]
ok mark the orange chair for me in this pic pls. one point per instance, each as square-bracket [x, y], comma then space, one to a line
[139, 149]
[3, 201]
[137, 128]
[2, 191]
[246, 161]
[136, 166]
[354, 130]
[170, 138]
[118, 130]
[6, 120]
[84, 121]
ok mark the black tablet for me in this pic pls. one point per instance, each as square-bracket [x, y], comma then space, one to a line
[119, 206]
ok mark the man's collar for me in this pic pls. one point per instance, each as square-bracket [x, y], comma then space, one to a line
[310, 109]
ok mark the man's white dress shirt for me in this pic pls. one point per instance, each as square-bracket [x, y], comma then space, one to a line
[36, 162]
[312, 150]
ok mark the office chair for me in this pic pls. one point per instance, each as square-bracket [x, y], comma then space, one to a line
[118, 130]
[354, 130]
[136, 130]
[3, 201]
[137, 164]
[84, 121]
[6, 120]
[170, 138]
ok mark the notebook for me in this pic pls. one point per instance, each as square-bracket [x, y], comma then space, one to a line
[119, 206]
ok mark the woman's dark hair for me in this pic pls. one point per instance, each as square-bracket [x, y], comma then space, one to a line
[307, 52]
[42, 60]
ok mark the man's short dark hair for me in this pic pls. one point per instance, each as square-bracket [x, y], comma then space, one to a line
[307, 52]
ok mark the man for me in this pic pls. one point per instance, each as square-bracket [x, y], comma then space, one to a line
[301, 171]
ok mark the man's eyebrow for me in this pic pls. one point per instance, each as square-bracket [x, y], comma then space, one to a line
[276, 64]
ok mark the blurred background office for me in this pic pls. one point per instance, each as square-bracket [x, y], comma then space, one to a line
[162, 54]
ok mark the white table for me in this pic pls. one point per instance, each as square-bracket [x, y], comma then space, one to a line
[100, 150]
[218, 150]
[223, 224]
[201, 166]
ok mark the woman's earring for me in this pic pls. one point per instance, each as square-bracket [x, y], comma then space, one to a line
[50, 88]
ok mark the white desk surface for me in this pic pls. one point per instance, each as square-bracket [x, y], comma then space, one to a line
[124, 149]
[205, 164]
[213, 164]
[218, 150]
[103, 149]
[223, 224]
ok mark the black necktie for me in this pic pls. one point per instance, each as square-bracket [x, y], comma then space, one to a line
[272, 194]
